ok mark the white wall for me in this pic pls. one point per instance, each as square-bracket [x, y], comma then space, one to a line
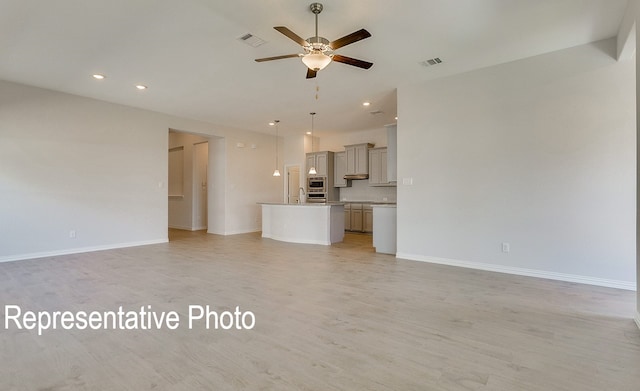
[539, 153]
[72, 163]
[635, 9]
[336, 141]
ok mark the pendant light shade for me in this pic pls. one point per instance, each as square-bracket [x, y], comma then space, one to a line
[312, 170]
[276, 172]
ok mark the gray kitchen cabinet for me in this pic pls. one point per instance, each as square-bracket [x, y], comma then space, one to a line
[340, 169]
[367, 218]
[347, 217]
[378, 167]
[356, 217]
[357, 157]
[322, 161]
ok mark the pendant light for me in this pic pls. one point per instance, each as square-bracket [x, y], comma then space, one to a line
[312, 170]
[276, 172]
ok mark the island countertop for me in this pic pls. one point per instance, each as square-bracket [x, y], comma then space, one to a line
[312, 223]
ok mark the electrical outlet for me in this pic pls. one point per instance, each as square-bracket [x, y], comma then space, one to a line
[72, 234]
[506, 247]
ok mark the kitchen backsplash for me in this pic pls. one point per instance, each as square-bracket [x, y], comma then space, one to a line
[361, 191]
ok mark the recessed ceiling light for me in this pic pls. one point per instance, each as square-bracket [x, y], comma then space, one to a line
[141, 87]
[271, 123]
[98, 76]
[366, 103]
[396, 118]
[309, 133]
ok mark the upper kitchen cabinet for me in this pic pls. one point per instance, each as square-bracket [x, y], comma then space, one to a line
[322, 161]
[340, 169]
[392, 153]
[378, 161]
[378, 167]
[357, 157]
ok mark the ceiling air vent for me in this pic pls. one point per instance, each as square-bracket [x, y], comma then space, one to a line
[251, 40]
[431, 62]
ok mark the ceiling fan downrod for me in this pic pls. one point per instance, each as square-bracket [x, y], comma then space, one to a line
[316, 8]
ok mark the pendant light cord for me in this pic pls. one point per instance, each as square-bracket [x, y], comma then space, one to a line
[312, 141]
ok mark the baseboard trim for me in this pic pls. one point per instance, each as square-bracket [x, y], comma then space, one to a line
[626, 285]
[299, 241]
[186, 228]
[637, 319]
[78, 250]
[240, 232]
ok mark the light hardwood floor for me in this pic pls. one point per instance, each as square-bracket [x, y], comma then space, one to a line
[327, 318]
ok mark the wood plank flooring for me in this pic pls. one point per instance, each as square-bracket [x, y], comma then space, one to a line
[327, 318]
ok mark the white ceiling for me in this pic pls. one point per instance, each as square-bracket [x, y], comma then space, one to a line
[188, 54]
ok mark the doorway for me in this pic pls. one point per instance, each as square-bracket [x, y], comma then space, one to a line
[292, 185]
[188, 181]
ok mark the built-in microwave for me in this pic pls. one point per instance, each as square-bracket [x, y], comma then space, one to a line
[316, 184]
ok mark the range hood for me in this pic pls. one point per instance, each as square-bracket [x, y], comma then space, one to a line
[356, 176]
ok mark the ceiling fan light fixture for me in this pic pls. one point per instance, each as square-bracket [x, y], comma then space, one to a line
[316, 60]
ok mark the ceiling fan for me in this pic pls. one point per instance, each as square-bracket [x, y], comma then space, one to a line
[318, 51]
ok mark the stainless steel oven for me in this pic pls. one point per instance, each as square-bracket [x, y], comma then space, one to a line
[317, 197]
[317, 189]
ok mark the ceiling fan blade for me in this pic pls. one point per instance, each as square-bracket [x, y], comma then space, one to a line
[293, 36]
[277, 57]
[349, 39]
[352, 61]
[311, 73]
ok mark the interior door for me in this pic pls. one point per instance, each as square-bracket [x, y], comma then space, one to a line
[293, 185]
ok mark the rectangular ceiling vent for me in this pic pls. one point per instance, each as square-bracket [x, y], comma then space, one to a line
[431, 62]
[251, 40]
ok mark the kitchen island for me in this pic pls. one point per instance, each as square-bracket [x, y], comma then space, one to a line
[312, 223]
[384, 228]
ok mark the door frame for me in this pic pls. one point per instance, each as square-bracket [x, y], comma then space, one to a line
[287, 169]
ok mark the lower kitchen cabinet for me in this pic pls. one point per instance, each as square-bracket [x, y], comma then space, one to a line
[347, 217]
[367, 218]
[358, 217]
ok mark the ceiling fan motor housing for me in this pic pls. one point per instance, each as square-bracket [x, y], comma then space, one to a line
[316, 8]
[319, 44]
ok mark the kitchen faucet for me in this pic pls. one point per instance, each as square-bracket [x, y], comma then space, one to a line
[301, 196]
